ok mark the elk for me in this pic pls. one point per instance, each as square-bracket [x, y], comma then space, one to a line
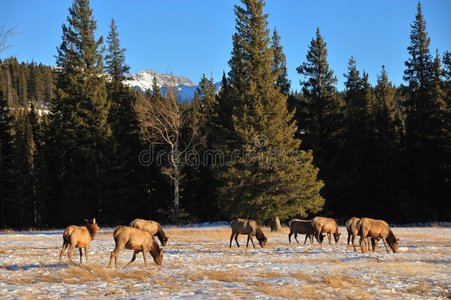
[153, 227]
[137, 240]
[79, 237]
[248, 227]
[325, 225]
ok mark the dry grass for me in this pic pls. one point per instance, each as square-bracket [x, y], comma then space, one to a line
[183, 234]
[290, 291]
[199, 259]
[335, 281]
[224, 276]
[420, 289]
[267, 273]
[303, 276]
[93, 273]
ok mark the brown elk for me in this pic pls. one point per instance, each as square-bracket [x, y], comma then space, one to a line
[248, 227]
[153, 227]
[325, 225]
[79, 237]
[302, 227]
[137, 240]
[352, 227]
[377, 229]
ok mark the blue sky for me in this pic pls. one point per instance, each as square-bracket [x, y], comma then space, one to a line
[194, 37]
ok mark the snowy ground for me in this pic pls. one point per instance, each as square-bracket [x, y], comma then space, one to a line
[199, 264]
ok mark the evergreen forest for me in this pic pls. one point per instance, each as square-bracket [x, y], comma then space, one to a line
[76, 142]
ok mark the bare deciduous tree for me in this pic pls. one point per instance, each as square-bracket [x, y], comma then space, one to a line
[165, 122]
[5, 35]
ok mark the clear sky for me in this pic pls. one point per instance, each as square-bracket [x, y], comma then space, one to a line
[193, 37]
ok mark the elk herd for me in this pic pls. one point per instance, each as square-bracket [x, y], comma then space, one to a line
[139, 236]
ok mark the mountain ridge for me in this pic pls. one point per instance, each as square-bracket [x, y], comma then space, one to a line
[143, 81]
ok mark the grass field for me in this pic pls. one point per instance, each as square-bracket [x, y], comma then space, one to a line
[198, 263]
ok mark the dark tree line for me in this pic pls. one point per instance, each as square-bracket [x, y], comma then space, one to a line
[76, 143]
[383, 151]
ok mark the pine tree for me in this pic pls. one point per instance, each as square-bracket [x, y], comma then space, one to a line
[199, 193]
[125, 179]
[321, 117]
[386, 141]
[447, 76]
[279, 65]
[156, 91]
[6, 167]
[272, 178]
[23, 155]
[222, 127]
[39, 172]
[79, 119]
[358, 141]
[115, 58]
[427, 127]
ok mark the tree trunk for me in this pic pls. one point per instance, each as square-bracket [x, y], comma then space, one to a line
[176, 193]
[275, 224]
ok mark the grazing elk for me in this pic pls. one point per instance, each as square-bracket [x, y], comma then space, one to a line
[137, 240]
[352, 227]
[79, 237]
[377, 229]
[302, 227]
[249, 227]
[151, 226]
[325, 225]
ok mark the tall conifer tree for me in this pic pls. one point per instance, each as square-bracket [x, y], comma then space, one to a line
[271, 179]
[357, 141]
[321, 116]
[427, 127]
[126, 176]
[386, 141]
[199, 193]
[6, 168]
[78, 125]
[279, 64]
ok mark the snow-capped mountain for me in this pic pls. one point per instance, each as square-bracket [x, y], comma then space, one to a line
[143, 81]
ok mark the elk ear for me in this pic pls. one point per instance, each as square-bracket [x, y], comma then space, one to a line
[93, 220]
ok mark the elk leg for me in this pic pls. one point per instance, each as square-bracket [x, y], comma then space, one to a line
[69, 253]
[306, 237]
[65, 245]
[86, 255]
[289, 236]
[133, 258]
[248, 238]
[361, 241]
[145, 251]
[349, 237]
[296, 237]
[115, 255]
[373, 244]
[236, 240]
[385, 244]
[315, 234]
[352, 242]
[231, 239]
[252, 240]
[329, 237]
[81, 254]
